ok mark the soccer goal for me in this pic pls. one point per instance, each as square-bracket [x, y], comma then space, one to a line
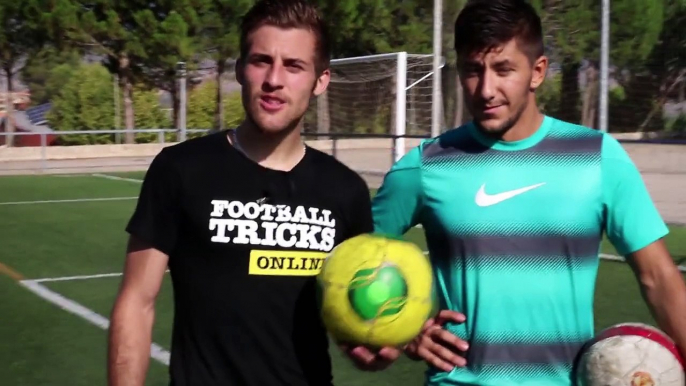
[377, 94]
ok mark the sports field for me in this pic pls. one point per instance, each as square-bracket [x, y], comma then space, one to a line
[62, 245]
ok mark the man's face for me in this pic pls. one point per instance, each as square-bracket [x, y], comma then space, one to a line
[499, 85]
[278, 77]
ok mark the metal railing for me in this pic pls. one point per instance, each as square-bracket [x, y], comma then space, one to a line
[43, 163]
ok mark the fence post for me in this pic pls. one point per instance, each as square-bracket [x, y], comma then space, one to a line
[604, 66]
[394, 150]
[43, 155]
[334, 145]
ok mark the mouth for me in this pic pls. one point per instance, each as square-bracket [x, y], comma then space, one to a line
[492, 109]
[271, 103]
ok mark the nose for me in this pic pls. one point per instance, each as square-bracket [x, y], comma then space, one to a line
[488, 85]
[274, 77]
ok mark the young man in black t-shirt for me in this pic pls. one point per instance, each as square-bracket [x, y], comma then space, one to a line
[243, 219]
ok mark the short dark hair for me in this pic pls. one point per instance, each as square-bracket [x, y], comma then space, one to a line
[485, 24]
[288, 14]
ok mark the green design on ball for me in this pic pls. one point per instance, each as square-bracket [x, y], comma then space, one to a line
[377, 292]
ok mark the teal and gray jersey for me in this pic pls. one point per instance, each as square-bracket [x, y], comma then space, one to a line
[513, 230]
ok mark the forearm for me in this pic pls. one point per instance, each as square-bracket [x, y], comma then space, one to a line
[130, 336]
[666, 297]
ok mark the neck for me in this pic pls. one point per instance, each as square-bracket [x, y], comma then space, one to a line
[279, 151]
[526, 125]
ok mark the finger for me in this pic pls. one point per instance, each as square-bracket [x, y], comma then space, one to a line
[389, 353]
[434, 360]
[447, 338]
[447, 355]
[445, 316]
[362, 354]
[429, 322]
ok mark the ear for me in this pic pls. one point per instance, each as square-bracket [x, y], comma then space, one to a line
[540, 69]
[322, 82]
[240, 66]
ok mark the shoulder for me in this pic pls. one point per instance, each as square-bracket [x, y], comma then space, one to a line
[434, 148]
[196, 146]
[609, 147]
[613, 149]
[194, 153]
[182, 162]
[564, 129]
[449, 138]
[577, 140]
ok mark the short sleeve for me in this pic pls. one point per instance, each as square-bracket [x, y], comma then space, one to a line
[632, 220]
[156, 217]
[398, 202]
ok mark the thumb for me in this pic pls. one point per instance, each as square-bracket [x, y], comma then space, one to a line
[429, 322]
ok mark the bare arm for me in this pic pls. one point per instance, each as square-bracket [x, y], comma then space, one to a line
[663, 288]
[130, 333]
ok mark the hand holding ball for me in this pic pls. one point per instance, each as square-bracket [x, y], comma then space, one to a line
[376, 291]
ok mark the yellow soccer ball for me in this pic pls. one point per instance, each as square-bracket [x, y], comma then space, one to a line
[376, 291]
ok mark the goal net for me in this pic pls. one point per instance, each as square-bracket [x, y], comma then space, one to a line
[376, 94]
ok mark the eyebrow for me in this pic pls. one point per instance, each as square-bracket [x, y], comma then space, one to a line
[262, 56]
[504, 62]
[295, 61]
[472, 64]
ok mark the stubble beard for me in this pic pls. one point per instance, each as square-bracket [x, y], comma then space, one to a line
[500, 131]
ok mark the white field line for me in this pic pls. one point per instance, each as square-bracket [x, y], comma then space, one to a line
[156, 352]
[610, 257]
[79, 277]
[603, 256]
[75, 200]
[607, 256]
[107, 176]
[116, 178]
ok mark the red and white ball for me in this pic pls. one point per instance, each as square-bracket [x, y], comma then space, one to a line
[631, 354]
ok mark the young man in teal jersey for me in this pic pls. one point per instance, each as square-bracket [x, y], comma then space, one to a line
[514, 206]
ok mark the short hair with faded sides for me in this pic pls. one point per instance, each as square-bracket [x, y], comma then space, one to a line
[288, 14]
[485, 24]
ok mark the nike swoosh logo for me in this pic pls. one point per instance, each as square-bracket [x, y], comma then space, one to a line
[484, 199]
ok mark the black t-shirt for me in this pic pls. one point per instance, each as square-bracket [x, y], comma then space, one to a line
[244, 243]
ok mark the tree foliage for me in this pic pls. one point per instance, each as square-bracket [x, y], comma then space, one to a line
[140, 43]
[85, 102]
[46, 72]
[221, 39]
[201, 107]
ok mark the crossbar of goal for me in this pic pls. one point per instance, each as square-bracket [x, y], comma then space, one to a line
[377, 57]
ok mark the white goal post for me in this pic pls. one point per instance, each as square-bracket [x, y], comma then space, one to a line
[378, 94]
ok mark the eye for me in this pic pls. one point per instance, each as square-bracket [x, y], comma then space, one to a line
[260, 60]
[471, 70]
